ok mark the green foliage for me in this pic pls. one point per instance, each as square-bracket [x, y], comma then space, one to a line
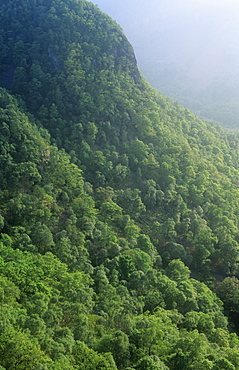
[177, 271]
[150, 363]
[111, 197]
[87, 359]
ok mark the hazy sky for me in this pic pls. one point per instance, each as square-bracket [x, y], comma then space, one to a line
[164, 27]
[200, 36]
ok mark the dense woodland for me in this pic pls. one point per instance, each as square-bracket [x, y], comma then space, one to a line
[119, 208]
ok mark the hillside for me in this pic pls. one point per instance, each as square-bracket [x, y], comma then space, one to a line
[119, 208]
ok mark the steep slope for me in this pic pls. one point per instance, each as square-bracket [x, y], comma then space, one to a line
[76, 74]
[97, 244]
[83, 310]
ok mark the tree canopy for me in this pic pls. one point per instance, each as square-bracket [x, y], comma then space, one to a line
[118, 207]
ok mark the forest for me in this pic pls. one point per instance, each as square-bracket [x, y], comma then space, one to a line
[119, 208]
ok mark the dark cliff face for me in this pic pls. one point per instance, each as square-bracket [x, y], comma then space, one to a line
[42, 31]
[65, 59]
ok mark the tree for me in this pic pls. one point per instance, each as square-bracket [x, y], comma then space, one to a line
[223, 363]
[19, 351]
[110, 210]
[142, 260]
[118, 345]
[150, 363]
[176, 270]
[87, 359]
[144, 243]
[126, 266]
[42, 238]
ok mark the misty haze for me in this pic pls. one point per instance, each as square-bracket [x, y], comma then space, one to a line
[188, 50]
